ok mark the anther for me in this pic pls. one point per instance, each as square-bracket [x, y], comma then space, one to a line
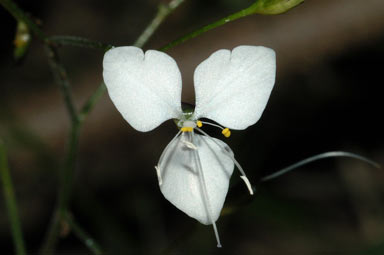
[159, 175]
[190, 145]
[226, 132]
[199, 123]
[245, 179]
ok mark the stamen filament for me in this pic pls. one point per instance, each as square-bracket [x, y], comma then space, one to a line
[212, 124]
[204, 189]
[159, 175]
[243, 175]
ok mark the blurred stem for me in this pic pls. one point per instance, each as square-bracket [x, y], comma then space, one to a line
[324, 155]
[64, 194]
[92, 245]
[77, 41]
[265, 7]
[61, 78]
[92, 100]
[162, 13]
[10, 202]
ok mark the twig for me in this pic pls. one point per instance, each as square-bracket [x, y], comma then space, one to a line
[92, 245]
[92, 100]
[258, 7]
[10, 202]
[78, 42]
[162, 13]
[328, 154]
[61, 78]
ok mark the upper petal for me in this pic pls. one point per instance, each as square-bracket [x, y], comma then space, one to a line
[182, 182]
[233, 88]
[145, 88]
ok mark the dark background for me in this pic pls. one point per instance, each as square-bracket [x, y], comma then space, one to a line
[328, 96]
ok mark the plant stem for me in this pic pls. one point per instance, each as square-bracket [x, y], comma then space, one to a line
[92, 245]
[78, 42]
[64, 194]
[162, 13]
[92, 100]
[10, 202]
[237, 15]
[61, 78]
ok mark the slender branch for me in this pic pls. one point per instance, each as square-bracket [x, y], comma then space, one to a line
[265, 7]
[162, 13]
[20, 15]
[92, 245]
[61, 78]
[64, 194]
[92, 100]
[78, 42]
[10, 202]
[318, 157]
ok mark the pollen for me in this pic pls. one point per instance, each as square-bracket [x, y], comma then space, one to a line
[199, 123]
[186, 129]
[226, 132]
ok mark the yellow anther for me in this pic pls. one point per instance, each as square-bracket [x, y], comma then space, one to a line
[199, 123]
[186, 129]
[226, 132]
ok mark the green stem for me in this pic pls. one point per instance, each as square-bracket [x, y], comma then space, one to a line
[78, 42]
[20, 15]
[10, 202]
[92, 100]
[162, 13]
[220, 22]
[324, 155]
[61, 78]
[92, 245]
[265, 7]
[64, 194]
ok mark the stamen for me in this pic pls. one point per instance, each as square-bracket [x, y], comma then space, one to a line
[166, 148]
[211, 124]
[204, 191]
[199, 123]
[245, 179]
[159, 175]
[216, 235]
[226, 132]
[229, 154]
[189, 145]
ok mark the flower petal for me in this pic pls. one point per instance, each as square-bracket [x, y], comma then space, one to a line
[145, 88]
[232, 88]
[200, 194]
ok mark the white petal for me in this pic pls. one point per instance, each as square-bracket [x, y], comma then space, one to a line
[232, 88]
[145, 88]
[201, 196]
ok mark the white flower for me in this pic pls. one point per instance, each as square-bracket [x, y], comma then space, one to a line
[232, 88]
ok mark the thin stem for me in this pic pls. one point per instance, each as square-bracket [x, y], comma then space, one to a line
[317, 157]
[61, 78]
[258, 7]
[91, 102]
[91, 244]
[78, 42]
[20, 15]
[64, 194]
[237, 15]
[10, 202]
[162, 13]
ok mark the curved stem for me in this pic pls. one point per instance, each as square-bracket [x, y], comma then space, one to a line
[162, 13]
[318, 157]
[78, 41]
[10, 202]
